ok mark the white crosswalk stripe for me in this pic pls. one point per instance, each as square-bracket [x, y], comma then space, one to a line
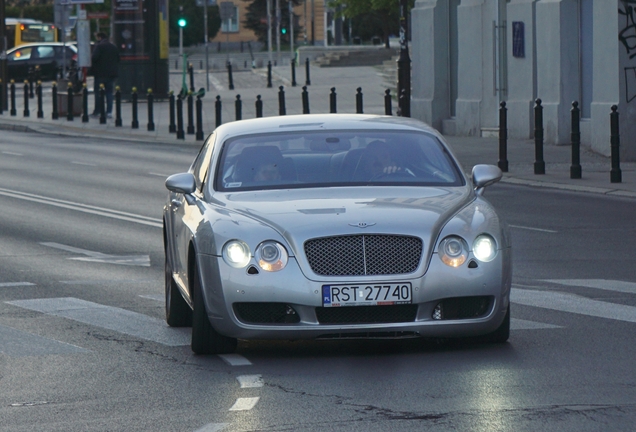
[108, 317]
[602, 284]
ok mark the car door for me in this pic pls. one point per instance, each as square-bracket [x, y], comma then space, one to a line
[44, 57]
[186, 216]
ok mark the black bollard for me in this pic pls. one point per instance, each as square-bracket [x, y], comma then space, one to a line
[388, 103]
[199, 134]
[238, 107]
[84, 103]
[31, 81]
[13, 111]
[259, 106]
[269, 74]
[135, 113]
[190, 130]
[307, 80]
[217, 111]
[1, 97]
[191, 72]
[229, 74]
[118, 119]
[539, 164]
[102, 104]
[69, 105]
[281, 101]
[332, 101]
[180, 132]
[38, 92]
[575, 168]
[151, 120]
[172, 128]
[293, 72]
[305, 97]
[401, 97]
[503, 137]
[26, 112]
[55, 112]
[359, 101]
[615, 173]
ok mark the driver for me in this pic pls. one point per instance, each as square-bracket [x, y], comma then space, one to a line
[377, 160]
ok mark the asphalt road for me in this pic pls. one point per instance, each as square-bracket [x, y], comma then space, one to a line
[83, 344]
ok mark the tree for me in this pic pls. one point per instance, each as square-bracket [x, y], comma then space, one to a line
[256, 19]
[372, 15]
[193, 14]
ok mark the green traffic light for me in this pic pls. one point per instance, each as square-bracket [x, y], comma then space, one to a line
[283, 30]
[181, 22]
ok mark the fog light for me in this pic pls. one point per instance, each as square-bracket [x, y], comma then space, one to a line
[438, 312]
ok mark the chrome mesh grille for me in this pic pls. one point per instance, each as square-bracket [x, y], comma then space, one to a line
[360, 255]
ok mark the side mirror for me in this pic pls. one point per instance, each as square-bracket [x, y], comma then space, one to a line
[181, 183]
[484, 176]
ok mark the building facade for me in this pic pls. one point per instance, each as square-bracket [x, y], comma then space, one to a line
[469, 55]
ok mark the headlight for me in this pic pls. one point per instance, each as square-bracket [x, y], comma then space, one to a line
[236, 253]
[271, 256]
[485, 248]
[453, 251]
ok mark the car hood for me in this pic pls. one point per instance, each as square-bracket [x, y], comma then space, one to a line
[299, 215]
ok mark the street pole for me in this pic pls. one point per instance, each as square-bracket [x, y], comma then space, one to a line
[291, 29]
[205, 41]
[404, 66]
[181, 35]
[269, 29]
[278, 31]
[3, 56]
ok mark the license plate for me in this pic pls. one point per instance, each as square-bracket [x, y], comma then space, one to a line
[380, 294]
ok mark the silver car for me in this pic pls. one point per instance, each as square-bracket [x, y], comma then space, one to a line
[333, 226]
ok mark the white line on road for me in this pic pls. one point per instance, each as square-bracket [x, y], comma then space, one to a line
[159, 174]
[83, 163]
[213, 427]
[602, 284]
[532, 229]
[100, 211]
[571, 303]
[18, 343]
[15, 284]
[108, 317]
[244, 404]
[519, 324]
[250, 381]
[235, 360]
[12, 153]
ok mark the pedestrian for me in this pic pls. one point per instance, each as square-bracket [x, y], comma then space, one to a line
[105, 65]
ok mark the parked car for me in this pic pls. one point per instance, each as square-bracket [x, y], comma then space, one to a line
[49, 56]
[333, 226]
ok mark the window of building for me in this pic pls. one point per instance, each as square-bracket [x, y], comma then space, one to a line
[231, 25]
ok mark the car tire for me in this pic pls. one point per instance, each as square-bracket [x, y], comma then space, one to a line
[500, 335]
[178, 312]
[206, 340]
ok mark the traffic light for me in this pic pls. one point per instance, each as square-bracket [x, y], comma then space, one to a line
[283, 31]
[182, 22]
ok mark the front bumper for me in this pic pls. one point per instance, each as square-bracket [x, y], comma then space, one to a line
[229, 292]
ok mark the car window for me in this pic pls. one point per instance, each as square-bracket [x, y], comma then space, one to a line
[20, 55]
[338, 158]
[45, 51]
[202, 162]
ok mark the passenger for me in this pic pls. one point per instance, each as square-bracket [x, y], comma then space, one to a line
[267, 172]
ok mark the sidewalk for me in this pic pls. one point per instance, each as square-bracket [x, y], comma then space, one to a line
[373, 81]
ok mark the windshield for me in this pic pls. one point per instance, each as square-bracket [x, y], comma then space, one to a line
[335, 158]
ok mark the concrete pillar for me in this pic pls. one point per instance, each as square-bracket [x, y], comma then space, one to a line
[429, 56]
[522, 71]
[558, 75]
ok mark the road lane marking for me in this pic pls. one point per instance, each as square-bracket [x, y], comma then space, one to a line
[135, 260]
[159, 175]
[84, 163]
[250, 381]
[12, 153]
[532, 229]
[244, 404]
[15, 284]
[108, 317]
[519, 324]
[85, 208]
[602, 284]
[213, 427]
[235, 360]
[571, 303]
[18, 343]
